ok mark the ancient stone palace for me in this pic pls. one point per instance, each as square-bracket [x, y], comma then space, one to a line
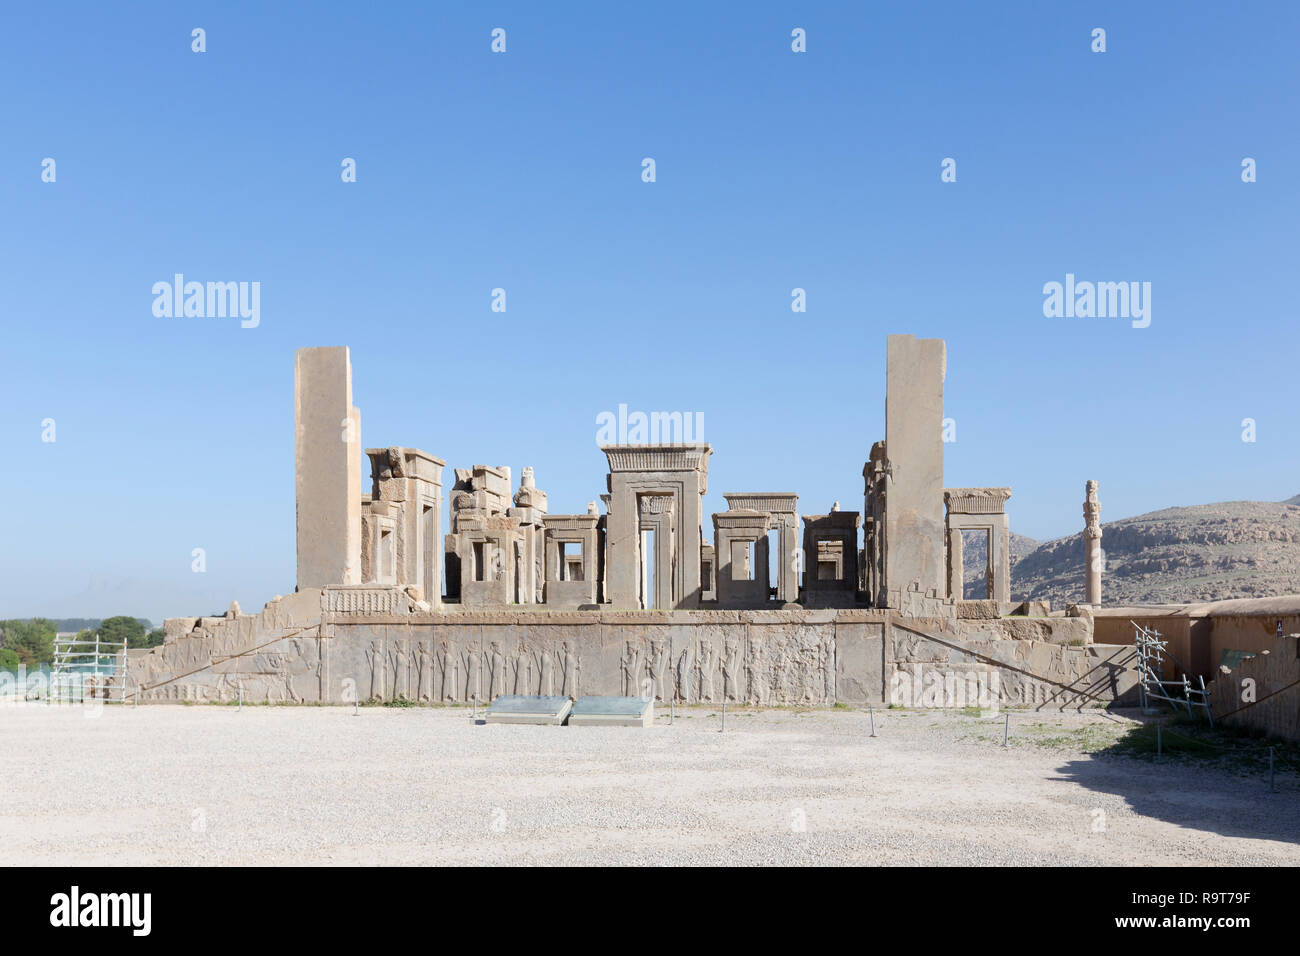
[641, 592]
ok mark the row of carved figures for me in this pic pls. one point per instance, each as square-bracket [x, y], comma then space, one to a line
[791, 671]
[418, 671]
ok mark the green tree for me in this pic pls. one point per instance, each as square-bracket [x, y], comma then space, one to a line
[8, 660]
[114, 630]
[152, 639]
[32, 641]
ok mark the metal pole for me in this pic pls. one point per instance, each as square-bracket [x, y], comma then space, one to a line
[474, 698]
[873, 719]
[356, 703]
[672, 694]
[1006, 728]
[241, 696]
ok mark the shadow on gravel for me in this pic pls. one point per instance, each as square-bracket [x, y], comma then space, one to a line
[1209, 779]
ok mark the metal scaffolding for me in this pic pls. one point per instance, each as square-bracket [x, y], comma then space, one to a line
[1152, 651]
[87, 668]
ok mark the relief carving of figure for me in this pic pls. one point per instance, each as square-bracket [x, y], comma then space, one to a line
[786, 680]
[450, 673]
[402, 669]
[658, 665]
[474, 673]
[731, 669]
[307, 653]
[754, 671]
[571, 669]
[708, 660]
[496, 671]
[684, 675]
[377, 667]
[523, 670]
[548, 672]
[631, 665]
[828, 667]
[810, 682]
[426, 672]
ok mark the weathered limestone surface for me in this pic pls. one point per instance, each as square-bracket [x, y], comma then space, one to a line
[782, 511]
[914, 532]
[371, 643]
[268, 653]
[830, 543]
[327, 468]
[577, 604]
[1259, 692]
[570, 584]
[979, 509]
[943, 662]
[1092, 537]
[401, 522]
[741, 549]
[658, 488]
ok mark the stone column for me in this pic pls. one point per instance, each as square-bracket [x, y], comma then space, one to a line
[914, 520]
[1003, 577]
[787, 570]
[956, 569]
[1092, 543]
[327, 468]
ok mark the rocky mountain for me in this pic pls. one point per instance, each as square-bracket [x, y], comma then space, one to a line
[1233, 549]
[974, 553]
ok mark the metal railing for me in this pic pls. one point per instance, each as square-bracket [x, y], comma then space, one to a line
[87, 667]
[1152, 651]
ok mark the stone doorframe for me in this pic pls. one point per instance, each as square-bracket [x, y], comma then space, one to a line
[979, 509]
[640, 473]
[782, 511]
[657, 515]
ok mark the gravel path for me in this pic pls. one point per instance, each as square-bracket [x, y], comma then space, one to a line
[314, 785]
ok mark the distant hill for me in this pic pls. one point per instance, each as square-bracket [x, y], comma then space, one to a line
[1233, 549]
[974, 554]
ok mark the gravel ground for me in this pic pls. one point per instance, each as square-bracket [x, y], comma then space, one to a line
[314, 785]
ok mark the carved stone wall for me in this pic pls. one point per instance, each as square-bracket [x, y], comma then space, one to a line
[766, 658]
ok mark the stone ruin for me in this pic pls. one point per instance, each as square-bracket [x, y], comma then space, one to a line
[515, 599]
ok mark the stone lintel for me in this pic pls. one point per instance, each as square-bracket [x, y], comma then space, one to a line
[773, 502]
[977, 501]
[670, 457]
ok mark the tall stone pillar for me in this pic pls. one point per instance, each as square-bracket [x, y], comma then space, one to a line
[914, 553]
[956, 566]
[1092, 543]
[327, 468]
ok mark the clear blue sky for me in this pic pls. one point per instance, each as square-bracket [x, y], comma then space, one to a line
[775, 170]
